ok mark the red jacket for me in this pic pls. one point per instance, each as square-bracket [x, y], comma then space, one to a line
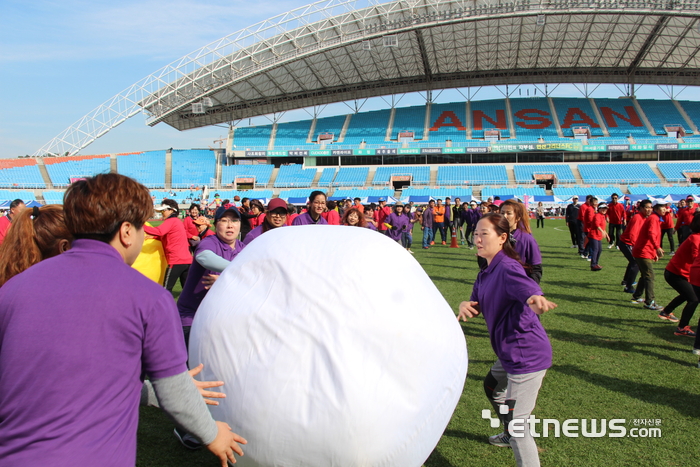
[332, 217]
[685, 217]
[174, 238]
[668, 221]
[383, 213]
[598, 221]
[681, 262]
[649, 239]
[4, 227]
[629, 236]
[588, 215]
[616, 213]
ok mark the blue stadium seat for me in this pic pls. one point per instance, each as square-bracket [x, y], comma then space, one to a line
[61, 172]
[673, 171]
[616, 113]
[574, 112]
[448, 122]
[27, 176]
[257, 137]
[294, 175]
[489, 114]
[292, 134]
[630, 173]
[193, 167]
[261, 172]
[327, 176]
[409, 119]
[332, 125]
[369, 127]
[524, 173]
[421, 175]
[11, 195]
[147, 168]
[537, 108]
[53, 197]
[660, 113]
[471, 174]
[351, 176]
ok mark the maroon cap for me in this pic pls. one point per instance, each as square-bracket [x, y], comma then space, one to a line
[276, 203]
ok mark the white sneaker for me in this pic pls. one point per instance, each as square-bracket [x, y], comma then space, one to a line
[610, 247]
[501, 440]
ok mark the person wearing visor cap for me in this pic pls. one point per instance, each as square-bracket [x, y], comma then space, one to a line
[173, 235]
[276, 216]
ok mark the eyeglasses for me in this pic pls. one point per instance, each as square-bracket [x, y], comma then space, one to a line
[319, 203]
[278, 214]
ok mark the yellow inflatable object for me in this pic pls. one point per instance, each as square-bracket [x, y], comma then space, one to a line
[151, 261]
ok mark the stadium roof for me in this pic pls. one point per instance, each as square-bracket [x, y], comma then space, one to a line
[334, 51]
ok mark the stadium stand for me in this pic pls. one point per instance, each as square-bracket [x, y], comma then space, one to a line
[518, 191]
[574, 112]
[181, 196]
[673, 171]
[448, 122]
[261, 172]
[524, 173]
[294, 175]
[298, 193]
[357, 193]
[601, 192]
[10, 195]
[292, 134]
[421, 175]
[252, 136]
[533, 112]
[62, 169]
[332, 125]
[437, 193]
[487, 115]
[147, 168]
[621, 118]
[660, 113]
[607, 141]
[351, 176]
[192, 167]
[409, 119]
[693, 111]
[53, 196]
[20, 173]
[252, 194]
[369, 127]
[327, 176]
[471, 175]
[655, 140]
[661, 191]
[634, 173]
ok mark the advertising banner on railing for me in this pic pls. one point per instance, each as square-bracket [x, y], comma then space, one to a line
[527, 147]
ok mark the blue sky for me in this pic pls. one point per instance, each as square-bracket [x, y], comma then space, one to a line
[61, 59]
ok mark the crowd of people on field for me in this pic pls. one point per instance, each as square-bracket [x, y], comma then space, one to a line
[89, 242]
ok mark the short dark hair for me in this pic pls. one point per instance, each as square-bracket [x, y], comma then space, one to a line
[172, 203]
[16, 203]
[96, 207]
[357, 199]
[644, 202]
[243, 200]
[615, 195]
[194, 205]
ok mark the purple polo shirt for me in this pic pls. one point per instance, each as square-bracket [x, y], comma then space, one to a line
[526, 246]
[517, 336]
[305, 219]
[428, 217]
[448, 212]
[194, 292]
[400, 222]
[255, 233]
[78, 332]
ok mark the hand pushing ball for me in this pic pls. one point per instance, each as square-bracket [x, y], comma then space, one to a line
[335, 348]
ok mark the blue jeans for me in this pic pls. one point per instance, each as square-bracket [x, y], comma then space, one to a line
[427, 236]
[596, 247]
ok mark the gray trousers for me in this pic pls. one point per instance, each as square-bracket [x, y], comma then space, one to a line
[519, 393]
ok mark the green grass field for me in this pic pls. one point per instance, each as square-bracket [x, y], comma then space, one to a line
[612, 359]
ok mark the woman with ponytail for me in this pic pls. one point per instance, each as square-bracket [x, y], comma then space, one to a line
[36, 234]
[510, 302]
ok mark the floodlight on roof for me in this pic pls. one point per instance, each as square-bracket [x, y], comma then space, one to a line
[391, 41]
[207, 102]
[198, 108]
[366, 45]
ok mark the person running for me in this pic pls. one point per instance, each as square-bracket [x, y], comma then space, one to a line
[626, 243]
[171, 232]
[510, 301]
[571, 217]
[677, 274]
[596, 235]
[314, 210]
[525, 244]
[646, 251]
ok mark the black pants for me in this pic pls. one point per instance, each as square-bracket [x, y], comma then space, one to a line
[685, 294]
[669, 233]
[683, 233]
[173, 273]
[632, 267]
[573, 231]
[696, 289]
[581, 238]
[614, 231]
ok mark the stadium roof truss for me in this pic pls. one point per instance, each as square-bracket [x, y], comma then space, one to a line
[335, 50]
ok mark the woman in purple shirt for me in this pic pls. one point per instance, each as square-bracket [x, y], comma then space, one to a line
[397, 224]
[316, 207]
[510, 302]
[525, 244]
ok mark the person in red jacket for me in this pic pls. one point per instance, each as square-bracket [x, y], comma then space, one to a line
[331, 215]
[685, 217]
[646, 251]
[677, 274]
[16, 207]
[175, 245]
[667, 230]
[596, 234]
[616, 216]
[382, 214]
[627, 240]
[582, 213]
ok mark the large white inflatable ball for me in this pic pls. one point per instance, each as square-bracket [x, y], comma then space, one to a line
[335, 348]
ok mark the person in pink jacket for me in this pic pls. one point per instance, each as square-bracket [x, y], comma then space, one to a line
[175, 245]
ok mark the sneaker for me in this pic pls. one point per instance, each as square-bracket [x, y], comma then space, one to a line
[426, 247]
[432, 243]
[672, 253]
[629, 290]
[443, 242]
[410, 251]
[633, 285]
[664, 315]
[696, 351]
[596, 267]
[501, 440]
[617, 247]
[187, 440]
[637, 301]
[583, 256]
[686, 331]
[610, 247]
[471, 247]
[588, 259]
[623, 283]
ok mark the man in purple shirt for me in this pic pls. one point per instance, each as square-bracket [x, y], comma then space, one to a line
[427, 227]
[75, 351]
